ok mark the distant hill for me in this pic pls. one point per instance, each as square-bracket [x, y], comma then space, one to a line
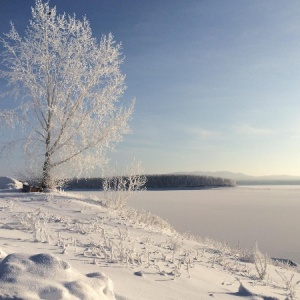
[241, 178]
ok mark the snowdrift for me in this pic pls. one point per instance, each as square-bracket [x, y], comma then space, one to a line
[7, 183]
[44, 276]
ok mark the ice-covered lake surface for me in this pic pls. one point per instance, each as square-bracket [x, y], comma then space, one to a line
[241, 216]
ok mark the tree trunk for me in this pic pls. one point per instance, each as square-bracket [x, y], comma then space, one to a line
[46, 180]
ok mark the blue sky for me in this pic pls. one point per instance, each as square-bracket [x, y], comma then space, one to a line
[217, 83]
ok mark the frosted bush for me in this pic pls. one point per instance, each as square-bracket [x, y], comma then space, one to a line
[260, 261]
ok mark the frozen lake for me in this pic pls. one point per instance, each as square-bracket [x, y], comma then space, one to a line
[269, 215]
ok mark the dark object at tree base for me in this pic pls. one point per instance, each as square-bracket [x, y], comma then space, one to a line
[31, 189]
[26, 188]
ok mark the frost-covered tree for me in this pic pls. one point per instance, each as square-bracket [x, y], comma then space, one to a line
[70, 87]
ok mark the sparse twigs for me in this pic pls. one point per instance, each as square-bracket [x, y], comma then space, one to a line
[145, 219]
[218, 256]
[243, 255]
[85, 226]
[289, 285]
[174, 245]
[118, 188]
[177, 269]
[260, 261]
[39, 232]
[36, 222]
[199, 253]
[188, 263]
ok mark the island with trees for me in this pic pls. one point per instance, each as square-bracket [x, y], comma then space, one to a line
[160, 181]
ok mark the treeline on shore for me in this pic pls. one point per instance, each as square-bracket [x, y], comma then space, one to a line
[170, 181]
[186, 181]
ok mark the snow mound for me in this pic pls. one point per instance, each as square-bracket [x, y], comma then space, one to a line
[9, 183]
[45, 276]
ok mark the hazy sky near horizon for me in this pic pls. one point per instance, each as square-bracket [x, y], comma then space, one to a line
[217, 83]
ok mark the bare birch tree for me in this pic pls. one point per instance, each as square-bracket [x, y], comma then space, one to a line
[70, 86]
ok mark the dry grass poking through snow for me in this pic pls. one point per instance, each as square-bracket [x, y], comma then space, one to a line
[145, 257]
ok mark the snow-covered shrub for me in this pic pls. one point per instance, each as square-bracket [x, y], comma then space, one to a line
[289, 285]
[146, 219]
[118, 188]
[260, 261]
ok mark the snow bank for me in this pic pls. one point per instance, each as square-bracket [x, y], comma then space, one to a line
[44, 276]
[9, 183]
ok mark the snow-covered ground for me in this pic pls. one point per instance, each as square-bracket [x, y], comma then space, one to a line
[67, 246]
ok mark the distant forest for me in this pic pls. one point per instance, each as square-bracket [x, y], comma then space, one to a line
[172, 181]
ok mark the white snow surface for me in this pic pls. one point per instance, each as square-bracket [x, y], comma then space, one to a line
[7, 183]
[66, 246]
[44, 276]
